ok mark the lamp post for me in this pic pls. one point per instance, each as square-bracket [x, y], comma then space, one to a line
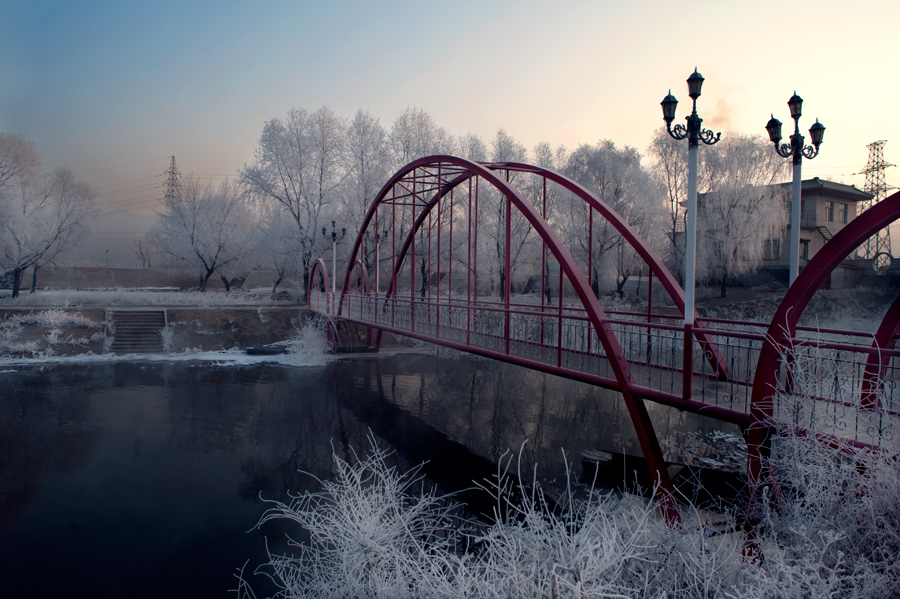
[335, 238]
[694, 134]
[378, 237]
[797, 150]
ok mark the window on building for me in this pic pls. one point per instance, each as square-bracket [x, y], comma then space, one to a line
[829, 211]
[772, 249]
[842, 212]
[804, 249]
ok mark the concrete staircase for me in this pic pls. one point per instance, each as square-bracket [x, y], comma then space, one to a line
[137, 331]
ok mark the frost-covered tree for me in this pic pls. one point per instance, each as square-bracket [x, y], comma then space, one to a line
[496, 216]
[669, 167]
[18, 161]
[276, 242]
[742, 209]
[414, 134]
[144, 250]
[472, 147]
[618, 179]
[42, 214]
[298, 166]
[367, 166]
[207, 227]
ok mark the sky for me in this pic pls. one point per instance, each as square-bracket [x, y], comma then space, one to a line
[113, 89]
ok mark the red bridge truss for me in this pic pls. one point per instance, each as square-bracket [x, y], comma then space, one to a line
[503, 260]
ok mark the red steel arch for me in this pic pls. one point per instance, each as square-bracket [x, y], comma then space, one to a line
[783, 327]
[634, 240]
[817, 271]
[885, 339]
[318, 268]
[663, 274]
[458, 170]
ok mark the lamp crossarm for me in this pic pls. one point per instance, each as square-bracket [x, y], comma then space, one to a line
[678, 132]
[784, 150]
[709, 137]
[810, 152]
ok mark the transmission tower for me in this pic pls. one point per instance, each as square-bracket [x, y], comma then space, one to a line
[173, 183]
[878, 246]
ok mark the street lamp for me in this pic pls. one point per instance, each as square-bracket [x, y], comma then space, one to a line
[694, 134]
[335, 238]
[798, 151]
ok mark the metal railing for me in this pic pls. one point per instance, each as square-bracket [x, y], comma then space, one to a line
[821, 381]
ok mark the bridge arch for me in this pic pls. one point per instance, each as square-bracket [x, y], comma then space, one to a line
[318, 269]
[419, 190]
[783, 327]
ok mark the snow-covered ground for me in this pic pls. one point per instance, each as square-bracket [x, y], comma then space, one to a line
[125, 297]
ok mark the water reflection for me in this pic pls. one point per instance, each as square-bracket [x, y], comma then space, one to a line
[492, 408]
[141, 480]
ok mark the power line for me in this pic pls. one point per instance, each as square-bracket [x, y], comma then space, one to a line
[113, 201]
[157, 176]
[122, 192]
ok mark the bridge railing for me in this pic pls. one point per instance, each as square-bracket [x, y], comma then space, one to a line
[819, 389]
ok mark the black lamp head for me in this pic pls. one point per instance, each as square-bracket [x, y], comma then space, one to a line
[695, 82]
[774, 129]
[795, 104]
[668, 107]
[816, 133]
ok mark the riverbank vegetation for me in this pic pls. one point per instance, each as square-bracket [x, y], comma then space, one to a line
[831, 529]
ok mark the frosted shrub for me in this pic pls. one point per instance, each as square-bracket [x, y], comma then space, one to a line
[14, 328]
[834, 532]
[369, 536]
[835, 528]
[309, 344]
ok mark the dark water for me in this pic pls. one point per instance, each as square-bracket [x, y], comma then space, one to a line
[131, 480]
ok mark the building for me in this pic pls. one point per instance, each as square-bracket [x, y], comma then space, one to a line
[825, 208]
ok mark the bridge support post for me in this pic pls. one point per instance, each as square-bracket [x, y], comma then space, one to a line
[662, 483]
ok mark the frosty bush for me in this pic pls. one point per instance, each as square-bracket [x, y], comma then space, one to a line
[369, 535]
[836, 533]
[833, 530]
[53, 323]
[167, 335]
[309, 343]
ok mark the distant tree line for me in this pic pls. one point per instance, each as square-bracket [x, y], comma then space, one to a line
[312, 168]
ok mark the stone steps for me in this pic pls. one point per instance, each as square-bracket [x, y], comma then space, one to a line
[137, 331]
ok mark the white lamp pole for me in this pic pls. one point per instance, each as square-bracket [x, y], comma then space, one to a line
[335, 238]
[694, 134]
[797, 151]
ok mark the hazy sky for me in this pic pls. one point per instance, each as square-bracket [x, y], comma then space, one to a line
[112, 89]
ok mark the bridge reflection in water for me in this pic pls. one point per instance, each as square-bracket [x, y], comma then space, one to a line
[452, 236]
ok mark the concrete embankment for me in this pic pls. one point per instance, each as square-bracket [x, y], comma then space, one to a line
[36, 332]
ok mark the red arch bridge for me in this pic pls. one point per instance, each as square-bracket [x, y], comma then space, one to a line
[504, 260]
